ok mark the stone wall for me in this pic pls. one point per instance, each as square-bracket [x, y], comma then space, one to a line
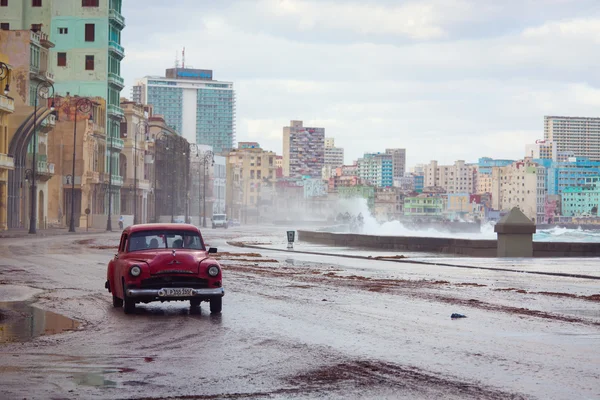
[464, 247]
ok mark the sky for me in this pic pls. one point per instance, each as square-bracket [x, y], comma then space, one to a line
[446, 79]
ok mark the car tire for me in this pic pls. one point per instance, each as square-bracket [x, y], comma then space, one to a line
[194, 303]
[216, 305]
[225, 226]
[128, 304]
[214, 227]
[117, 302]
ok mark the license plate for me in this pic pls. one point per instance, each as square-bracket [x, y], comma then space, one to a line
[177, 292]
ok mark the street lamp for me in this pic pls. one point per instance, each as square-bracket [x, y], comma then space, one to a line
[204, 158]
[142, 126]
[167, 141]
[44, 90]
[4, 74]
[84, 106]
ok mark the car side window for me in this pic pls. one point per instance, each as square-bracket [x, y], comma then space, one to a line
[123, 242]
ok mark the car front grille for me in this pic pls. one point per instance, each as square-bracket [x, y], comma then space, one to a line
[160, 282]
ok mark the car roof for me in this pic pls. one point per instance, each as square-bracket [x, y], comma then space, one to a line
[165, 226]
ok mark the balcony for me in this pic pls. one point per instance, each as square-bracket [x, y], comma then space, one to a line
[115, 112]
[7, 104]
[116, 17]
[116, 143]
[45, 171]
[48, 123]
[6, 162]
[117, 180]
[116, 49]
[49, 76]
[116, 80]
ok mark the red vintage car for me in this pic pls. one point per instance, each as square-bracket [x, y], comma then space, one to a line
[164, 262]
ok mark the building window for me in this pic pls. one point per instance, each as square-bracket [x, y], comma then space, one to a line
[90, 32]
[89, 63]
[36, 3]
[89, 3]
[3, 3]
[63, 31]
[36, 27]
[5, 26]
[62, 59]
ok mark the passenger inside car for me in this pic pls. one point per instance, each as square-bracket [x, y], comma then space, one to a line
[154, 243]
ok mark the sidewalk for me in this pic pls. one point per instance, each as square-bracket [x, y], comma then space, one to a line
[24, 233]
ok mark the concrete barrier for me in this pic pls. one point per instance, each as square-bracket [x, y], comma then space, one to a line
[463, 247]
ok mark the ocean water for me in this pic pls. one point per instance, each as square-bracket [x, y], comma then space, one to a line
[395, 228]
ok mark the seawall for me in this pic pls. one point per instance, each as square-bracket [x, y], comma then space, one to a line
[463, 247]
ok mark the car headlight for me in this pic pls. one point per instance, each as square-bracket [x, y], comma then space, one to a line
[213, 270]
[135, 270]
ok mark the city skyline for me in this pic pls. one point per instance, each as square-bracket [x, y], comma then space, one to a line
[452, 74]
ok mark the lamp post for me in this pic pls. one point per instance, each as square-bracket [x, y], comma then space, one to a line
[44, 90]
[132, 194]
[110, 163]
[165, 138]
[142, 126]
[204, 158]
[84, 106]
[4, 74]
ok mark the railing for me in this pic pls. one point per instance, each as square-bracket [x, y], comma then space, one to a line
[116, 47]
[115, 110]
[115, 15]
[116, 79]
[42, 167]
[117, 143]
[117, 180]
[49, 76]
[7, 104]
[6, 161]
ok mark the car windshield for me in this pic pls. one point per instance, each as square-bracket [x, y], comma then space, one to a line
[163, 239]
[218, 217]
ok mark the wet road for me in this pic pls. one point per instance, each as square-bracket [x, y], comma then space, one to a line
[301, 326]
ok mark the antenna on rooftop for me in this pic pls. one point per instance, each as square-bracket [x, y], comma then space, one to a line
[183, 58]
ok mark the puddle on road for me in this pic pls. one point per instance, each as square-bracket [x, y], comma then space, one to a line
[21, 322]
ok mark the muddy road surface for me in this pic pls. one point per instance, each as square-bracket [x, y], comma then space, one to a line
[293, 327]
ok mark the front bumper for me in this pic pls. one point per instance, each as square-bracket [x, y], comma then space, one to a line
[216, 292]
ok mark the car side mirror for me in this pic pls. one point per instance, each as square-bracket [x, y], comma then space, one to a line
[212, 250]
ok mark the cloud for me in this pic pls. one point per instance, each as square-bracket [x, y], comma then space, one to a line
[445, 79]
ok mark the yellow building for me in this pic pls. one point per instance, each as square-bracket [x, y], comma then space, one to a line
[251, 175]
[7, 107]
[90, 190]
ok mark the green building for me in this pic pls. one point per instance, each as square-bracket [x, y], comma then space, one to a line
[422, 206]
[87, 53]
[581, 200]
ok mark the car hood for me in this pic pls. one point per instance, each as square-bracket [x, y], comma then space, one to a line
[169, 262]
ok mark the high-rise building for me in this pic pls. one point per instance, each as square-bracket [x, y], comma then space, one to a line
[193, 104]
[399, 159]
[579, 135]
[334, 156]
[376, 169]
[303, 150]
[457, 178]
[521, 184]
[542, 149]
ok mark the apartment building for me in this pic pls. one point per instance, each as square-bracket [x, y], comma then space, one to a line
[579, 135]
[457, 178]
[303, 150]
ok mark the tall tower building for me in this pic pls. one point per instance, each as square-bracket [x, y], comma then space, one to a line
[399, 160]
[303, 150]
[334, 156]
[199, 108]
[579, 136]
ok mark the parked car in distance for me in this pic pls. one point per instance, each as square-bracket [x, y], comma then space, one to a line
[219, 221]
[234, 222]
[164, 262]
